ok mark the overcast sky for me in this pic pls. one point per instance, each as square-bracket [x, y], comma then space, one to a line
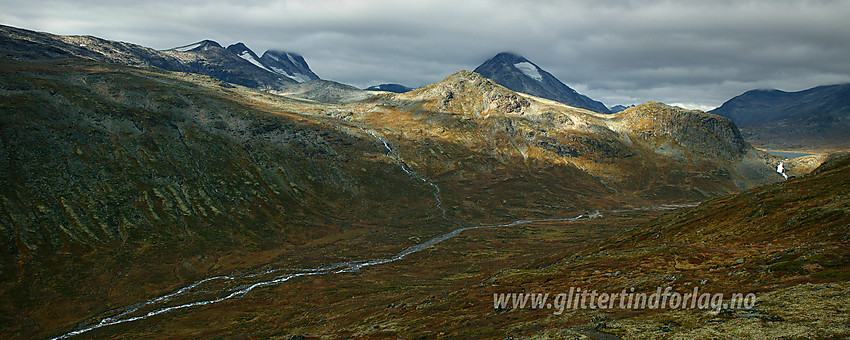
[691, 53]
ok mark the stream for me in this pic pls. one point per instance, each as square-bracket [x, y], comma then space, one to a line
[220, 288]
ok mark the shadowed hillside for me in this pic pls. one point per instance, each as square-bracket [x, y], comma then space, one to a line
[814, 119]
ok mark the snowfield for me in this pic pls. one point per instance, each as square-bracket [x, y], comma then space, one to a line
[530, 70]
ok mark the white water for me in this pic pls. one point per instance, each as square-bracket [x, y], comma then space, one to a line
[198, 293]
[400, 162]
[781, 170]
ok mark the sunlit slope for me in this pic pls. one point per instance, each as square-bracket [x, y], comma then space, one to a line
[467, 128]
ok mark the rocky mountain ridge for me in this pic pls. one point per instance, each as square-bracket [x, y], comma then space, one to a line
[235, 64]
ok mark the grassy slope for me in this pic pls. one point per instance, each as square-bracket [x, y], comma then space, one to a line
[787, 242]
[120, 183]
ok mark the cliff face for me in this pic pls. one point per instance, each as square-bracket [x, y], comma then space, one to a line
[699, 132]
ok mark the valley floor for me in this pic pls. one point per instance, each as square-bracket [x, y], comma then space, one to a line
[448, 290]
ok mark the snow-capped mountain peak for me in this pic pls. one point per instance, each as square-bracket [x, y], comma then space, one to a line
[287, 64]
[245, 53]
[519, 74]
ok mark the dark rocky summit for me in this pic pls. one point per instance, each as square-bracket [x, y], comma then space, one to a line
[519, 74]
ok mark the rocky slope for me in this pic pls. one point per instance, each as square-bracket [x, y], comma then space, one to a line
[118, 183]
[21, 44]
[813, 119]
[519, 74]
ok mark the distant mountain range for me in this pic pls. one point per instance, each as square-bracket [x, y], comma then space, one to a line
[235, 64]
[818, 117]
[288, 64]
[395, 88]
[620, 108]
[275, 70]
[519, 74]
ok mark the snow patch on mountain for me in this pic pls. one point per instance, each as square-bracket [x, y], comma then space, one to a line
[247, 56]
[188, 47]
[529, 69]
[292, 60]
[295, 76]
[300, 77]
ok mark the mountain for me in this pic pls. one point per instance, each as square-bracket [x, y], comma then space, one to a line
[203, 45]
[245, 53]
[235, 64]
[620, 108]
[643, 153]
[127, 192]
[395, 88]
[144, 179]
[289, 64]
[519, 74]
[266, 71]
[324, 91]
[815, 118]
